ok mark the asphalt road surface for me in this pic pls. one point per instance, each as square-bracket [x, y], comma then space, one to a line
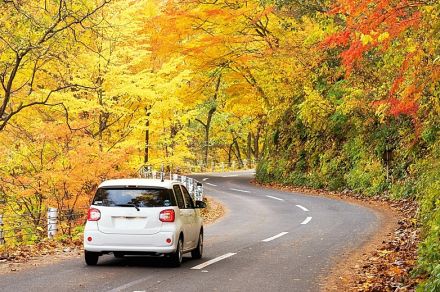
[268, 241]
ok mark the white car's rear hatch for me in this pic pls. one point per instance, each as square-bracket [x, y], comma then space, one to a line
[131, 210]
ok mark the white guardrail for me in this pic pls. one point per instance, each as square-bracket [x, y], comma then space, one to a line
[194, 187]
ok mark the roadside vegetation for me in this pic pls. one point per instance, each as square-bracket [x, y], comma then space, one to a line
[339, 95]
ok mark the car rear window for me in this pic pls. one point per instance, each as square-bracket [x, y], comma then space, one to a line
[141, 197]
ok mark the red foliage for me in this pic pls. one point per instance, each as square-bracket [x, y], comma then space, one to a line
[338, 39]
[374, 18]
[371, 18]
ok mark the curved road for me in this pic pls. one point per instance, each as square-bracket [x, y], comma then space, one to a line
[268, 241]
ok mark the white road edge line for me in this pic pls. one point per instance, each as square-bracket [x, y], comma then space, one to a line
[231, 175]
[211, 184]
[275, 198]
[274, 237]
[242, 191]
[306, 221]
[303, 208]
[210, 262]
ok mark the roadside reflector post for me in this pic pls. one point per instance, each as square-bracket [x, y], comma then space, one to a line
[52, 222]
[2, 236]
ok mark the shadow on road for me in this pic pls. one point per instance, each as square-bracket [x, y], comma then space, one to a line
[137, 261]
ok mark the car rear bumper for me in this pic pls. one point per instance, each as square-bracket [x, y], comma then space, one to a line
[156, 243]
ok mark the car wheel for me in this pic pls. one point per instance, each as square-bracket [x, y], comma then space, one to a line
[91, 258]
[198, 252]
[118, 255]
[177, 256]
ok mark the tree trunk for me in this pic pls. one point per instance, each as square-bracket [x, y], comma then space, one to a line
[207, 125]
[257, 144]
[238, 153]
[147, 135]
[249, 151]
[230, 154]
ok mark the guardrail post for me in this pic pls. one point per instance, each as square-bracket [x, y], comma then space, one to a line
[52, 222]
[190, 186]
[2, 236]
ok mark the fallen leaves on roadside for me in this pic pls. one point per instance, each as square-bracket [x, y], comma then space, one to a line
[390, 267]
[213, 211]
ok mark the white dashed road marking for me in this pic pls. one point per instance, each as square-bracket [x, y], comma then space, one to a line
[303, 208]
[242, 191]
[211, 184]
[205, 179]
[274, 237]
[306, 221]
[128, 285]
[275, 198]
[210, 262]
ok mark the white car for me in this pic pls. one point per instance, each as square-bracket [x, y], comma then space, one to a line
[143, 216]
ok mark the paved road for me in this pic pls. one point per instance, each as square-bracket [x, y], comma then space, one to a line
[268, 241]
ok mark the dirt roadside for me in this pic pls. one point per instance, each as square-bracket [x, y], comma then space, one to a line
[386, 260]
[49, 252]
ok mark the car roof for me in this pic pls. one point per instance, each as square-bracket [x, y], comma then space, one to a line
[138, 182]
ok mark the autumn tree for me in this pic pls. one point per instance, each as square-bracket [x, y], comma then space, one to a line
[35, 40]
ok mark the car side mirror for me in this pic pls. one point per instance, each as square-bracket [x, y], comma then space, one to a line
[200, 204]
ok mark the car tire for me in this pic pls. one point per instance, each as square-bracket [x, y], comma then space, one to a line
[91, 258]
[118, 255]
[197, 253]
[177, 256]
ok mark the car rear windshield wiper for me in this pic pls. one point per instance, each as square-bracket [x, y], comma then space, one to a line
[129, 205]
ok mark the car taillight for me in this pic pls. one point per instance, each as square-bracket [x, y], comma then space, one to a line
[93, 215]
[167, 216]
